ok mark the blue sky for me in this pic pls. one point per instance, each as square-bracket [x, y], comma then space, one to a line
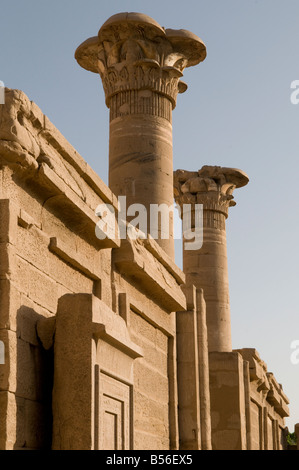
[237, 112]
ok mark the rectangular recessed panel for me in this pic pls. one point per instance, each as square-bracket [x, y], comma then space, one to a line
[112, 413]
[255, 426]
[270, 433]
[110, 435]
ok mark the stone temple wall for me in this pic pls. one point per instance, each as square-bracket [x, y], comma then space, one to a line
[49, 250]
[128, 291]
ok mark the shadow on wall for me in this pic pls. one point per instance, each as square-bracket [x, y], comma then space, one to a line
[34, 383]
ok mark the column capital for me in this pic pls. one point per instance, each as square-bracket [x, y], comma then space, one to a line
[212, 186]
[133, 53]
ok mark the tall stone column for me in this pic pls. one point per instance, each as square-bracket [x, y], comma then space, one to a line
[141, 64]
[206, 267]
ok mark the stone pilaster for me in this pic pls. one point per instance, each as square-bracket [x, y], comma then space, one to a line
[206, 267]
[141, 65]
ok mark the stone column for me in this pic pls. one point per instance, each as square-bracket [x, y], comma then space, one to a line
[141, 64]
[206, 267]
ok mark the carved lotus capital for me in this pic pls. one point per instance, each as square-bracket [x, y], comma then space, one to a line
[211, 186]
[133, 52]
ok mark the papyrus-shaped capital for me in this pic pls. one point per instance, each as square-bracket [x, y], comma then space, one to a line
[133, 52]
[211, 186]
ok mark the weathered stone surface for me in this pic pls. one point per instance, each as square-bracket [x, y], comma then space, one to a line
[29, 141]
[7, 420]
[80, 355]
[133, 259]
[227, 401]
[106, 341]
[188, 380]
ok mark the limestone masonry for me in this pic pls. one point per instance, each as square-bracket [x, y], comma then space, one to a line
[108, 344]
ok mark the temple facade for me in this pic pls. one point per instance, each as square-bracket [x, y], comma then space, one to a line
[108, 344]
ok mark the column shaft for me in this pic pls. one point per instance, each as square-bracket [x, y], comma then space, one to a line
[207, 269]
[141, 167]
[206, 266]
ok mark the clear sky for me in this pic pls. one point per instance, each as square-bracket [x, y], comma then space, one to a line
[237, 112]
